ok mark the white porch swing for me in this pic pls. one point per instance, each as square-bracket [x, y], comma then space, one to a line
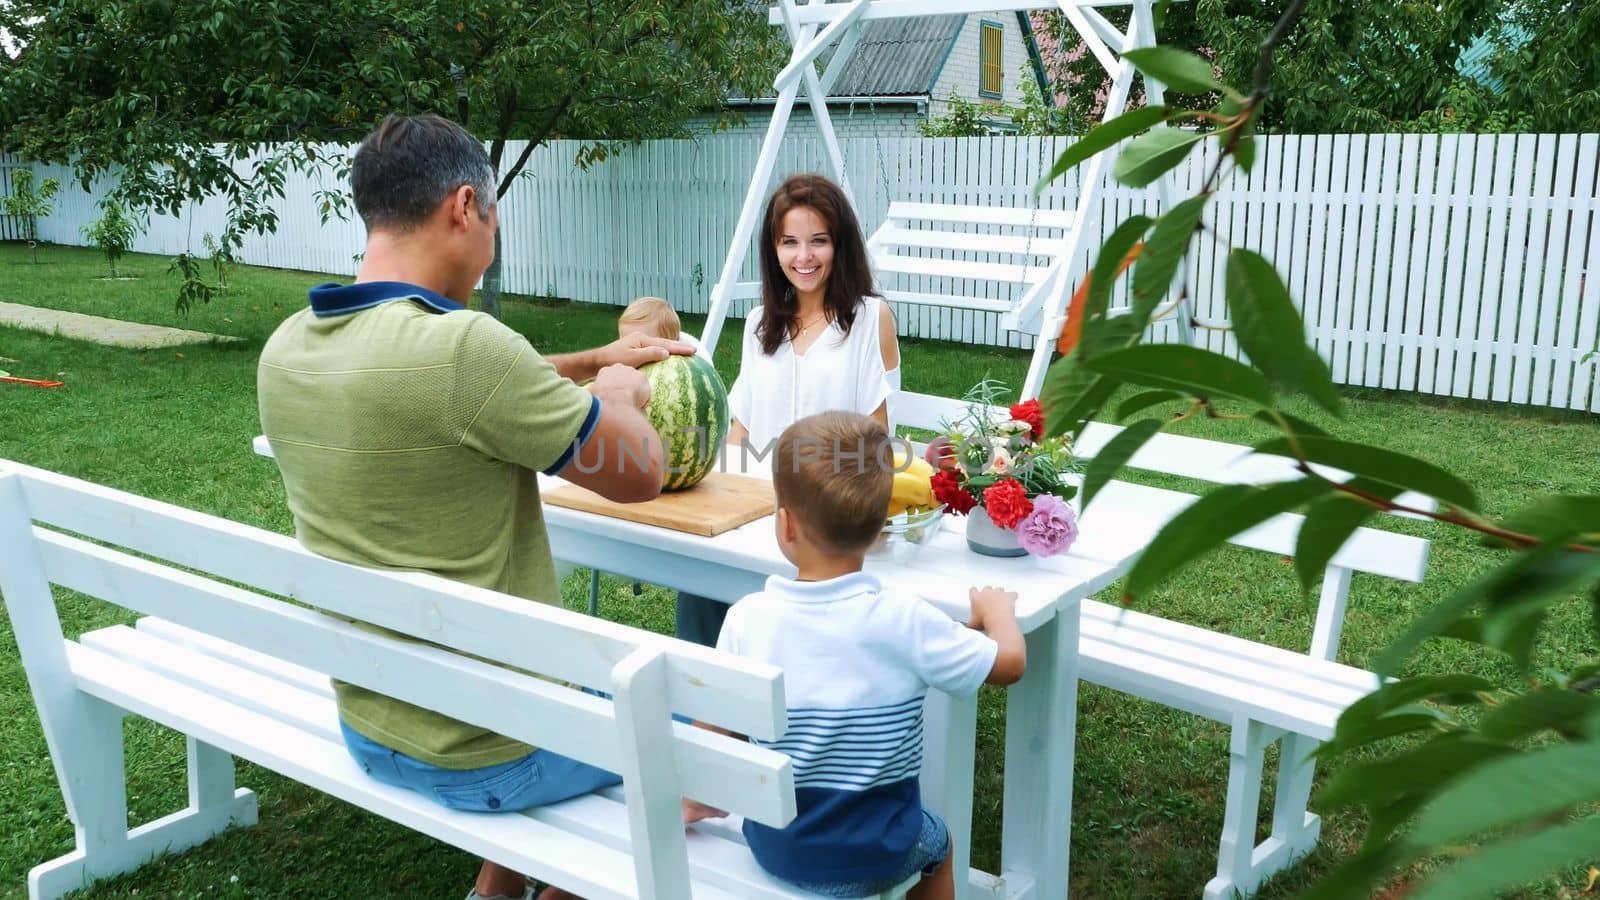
[1044, 250]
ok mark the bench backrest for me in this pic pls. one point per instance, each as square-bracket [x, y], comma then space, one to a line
[1370, 550]
[228, 580]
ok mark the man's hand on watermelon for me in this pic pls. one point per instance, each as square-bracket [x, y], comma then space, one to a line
[624, 384]
[634, 350]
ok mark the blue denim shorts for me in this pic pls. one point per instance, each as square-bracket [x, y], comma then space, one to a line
[538, 779]
[932, 846]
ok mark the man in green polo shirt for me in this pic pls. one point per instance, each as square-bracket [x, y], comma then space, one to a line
[409, 432]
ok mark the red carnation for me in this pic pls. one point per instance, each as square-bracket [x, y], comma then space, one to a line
[1031, 412]
[1007, 502]
[947, 489]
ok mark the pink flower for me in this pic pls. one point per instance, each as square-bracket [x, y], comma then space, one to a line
[1050, 529]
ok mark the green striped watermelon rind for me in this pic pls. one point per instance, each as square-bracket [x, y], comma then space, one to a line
[689, 410]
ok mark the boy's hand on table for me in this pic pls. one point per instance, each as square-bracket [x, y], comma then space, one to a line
[989, 602]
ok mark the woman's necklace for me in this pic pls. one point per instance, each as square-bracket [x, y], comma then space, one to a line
[805, 327]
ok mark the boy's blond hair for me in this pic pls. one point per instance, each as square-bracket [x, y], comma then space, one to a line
[833, 471]
[653, 316]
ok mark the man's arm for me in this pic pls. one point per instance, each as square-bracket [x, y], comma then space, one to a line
[633, 351]
[622, 460]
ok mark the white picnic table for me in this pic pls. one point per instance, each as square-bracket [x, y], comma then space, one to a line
[1041, 710]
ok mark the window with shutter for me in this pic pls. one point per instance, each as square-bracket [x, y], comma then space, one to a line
[991, 73]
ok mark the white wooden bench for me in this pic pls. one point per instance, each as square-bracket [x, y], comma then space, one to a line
[222, 657]
[1263, 693]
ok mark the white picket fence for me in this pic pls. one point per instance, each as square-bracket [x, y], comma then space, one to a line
[1459, 265]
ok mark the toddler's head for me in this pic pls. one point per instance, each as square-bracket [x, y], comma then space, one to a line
[832, 473]
[651, 317]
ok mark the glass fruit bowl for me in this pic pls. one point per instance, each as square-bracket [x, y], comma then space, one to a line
[903, 534]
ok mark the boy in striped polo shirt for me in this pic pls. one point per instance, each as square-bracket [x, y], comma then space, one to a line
[858, 658]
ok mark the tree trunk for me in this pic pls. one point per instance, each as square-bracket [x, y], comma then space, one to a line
[490, 294]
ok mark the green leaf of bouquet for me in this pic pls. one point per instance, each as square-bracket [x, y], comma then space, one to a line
[1162, 254]
[1144, 400]
[1561, 710]
[1180, 367]
[1210, 521]
[1329, 524]
[1153, 154]
[1270, 332]
[1514, 862]
[1184, 72]
[1114, 455]
[1379, 464]
[1102, 137]
[1511, 791]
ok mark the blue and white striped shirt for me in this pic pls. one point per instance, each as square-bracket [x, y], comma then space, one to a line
[857, 661]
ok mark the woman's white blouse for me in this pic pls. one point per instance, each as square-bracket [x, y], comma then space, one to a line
[838, 371]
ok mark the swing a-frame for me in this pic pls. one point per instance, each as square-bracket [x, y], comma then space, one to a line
[1045, 250]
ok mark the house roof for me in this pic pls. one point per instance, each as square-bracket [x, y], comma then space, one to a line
[897, 57]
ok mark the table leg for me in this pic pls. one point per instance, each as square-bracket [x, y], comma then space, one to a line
[950, 729]
[1041, 722]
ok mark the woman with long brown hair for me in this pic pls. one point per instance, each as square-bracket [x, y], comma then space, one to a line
[821, 340]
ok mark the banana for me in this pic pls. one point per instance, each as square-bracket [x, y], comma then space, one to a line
[912, 489]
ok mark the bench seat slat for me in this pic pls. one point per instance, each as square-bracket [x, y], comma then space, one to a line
[981, 215]
[308, 680]
[519, 842]
[718, 858]
[955, 268]
[1186, 639]
[1015, 244]
[741, 695]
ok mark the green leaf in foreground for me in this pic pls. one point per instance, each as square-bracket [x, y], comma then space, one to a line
[1144, 400]
[1511, 791]
[1154, 154]
[1387, 466]
[1163, 253]
[1102, 137]
[1184, 368]
[1329, 524]
[1515, 862]
[1271, 333]
[1210, 522]
[1184, 72]
[1115, 454]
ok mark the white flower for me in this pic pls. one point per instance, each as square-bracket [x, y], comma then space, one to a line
[1014, 426]
[1000, 462]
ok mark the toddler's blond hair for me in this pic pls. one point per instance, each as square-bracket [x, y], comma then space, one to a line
[651, 316]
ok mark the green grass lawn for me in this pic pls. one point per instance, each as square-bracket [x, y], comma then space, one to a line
[176, 425]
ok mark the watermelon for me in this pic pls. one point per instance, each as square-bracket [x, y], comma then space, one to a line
[689, 409]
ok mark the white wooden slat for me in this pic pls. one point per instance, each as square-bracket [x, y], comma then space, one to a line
[1525, 381]
[1546, 371]
[233, 673]
[953, 268]
[1587, 269]
[1294, 675]
[1451, 317]
[516, 841]
[535, 637]
[1486, 368]
[308, 680]
[894, 236]
[1472, 282]
[1517, 306]
[973, 213]
[1383, 172]
[1418, 162]
[951, 300]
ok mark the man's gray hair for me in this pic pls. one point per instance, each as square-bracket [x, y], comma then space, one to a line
[408, 164]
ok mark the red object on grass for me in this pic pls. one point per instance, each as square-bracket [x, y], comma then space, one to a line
[30, 382]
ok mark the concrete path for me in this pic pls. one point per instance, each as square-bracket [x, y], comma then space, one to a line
[111, 332]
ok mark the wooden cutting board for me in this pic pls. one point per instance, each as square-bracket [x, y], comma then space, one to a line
[721, 502]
